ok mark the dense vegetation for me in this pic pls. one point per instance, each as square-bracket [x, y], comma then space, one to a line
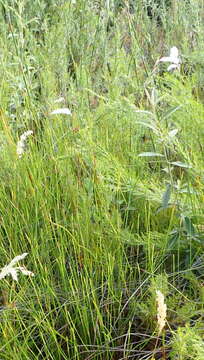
[106, 201]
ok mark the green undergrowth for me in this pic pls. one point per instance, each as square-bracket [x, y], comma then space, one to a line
[107, 201]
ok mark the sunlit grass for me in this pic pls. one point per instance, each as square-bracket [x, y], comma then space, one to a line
[106, 196]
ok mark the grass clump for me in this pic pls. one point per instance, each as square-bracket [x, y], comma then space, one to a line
[101, 140]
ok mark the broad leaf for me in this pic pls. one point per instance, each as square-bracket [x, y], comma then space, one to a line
[166, 196]
[148, 125]
[188, 225]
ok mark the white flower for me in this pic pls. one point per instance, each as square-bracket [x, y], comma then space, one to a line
[173, 58]
[21, 145]
[62, 111]
[161, 310]
[12, 270]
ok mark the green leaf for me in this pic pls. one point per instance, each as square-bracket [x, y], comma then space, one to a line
[145, 112]
[174, 237]
[188, 225]
[166, 196]
[148, 125]
[161, 208]
[172, 111]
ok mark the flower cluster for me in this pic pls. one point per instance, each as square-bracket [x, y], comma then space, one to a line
[13, 270]
[21, 145]
[173, 59]
[161, 310]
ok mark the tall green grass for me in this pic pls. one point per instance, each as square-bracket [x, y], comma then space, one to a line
[105, 221]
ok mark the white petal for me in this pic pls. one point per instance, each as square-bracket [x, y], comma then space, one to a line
[166, 59]
[65, 111]
[25, 271]
[13, 273]
[172, 67]
[17, 259]
[4, 272]
[174, 52]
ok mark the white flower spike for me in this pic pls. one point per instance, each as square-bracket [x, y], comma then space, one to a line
[62, 111]
[173, 58]
[13, 270]
[161, 310]
[21, 145]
